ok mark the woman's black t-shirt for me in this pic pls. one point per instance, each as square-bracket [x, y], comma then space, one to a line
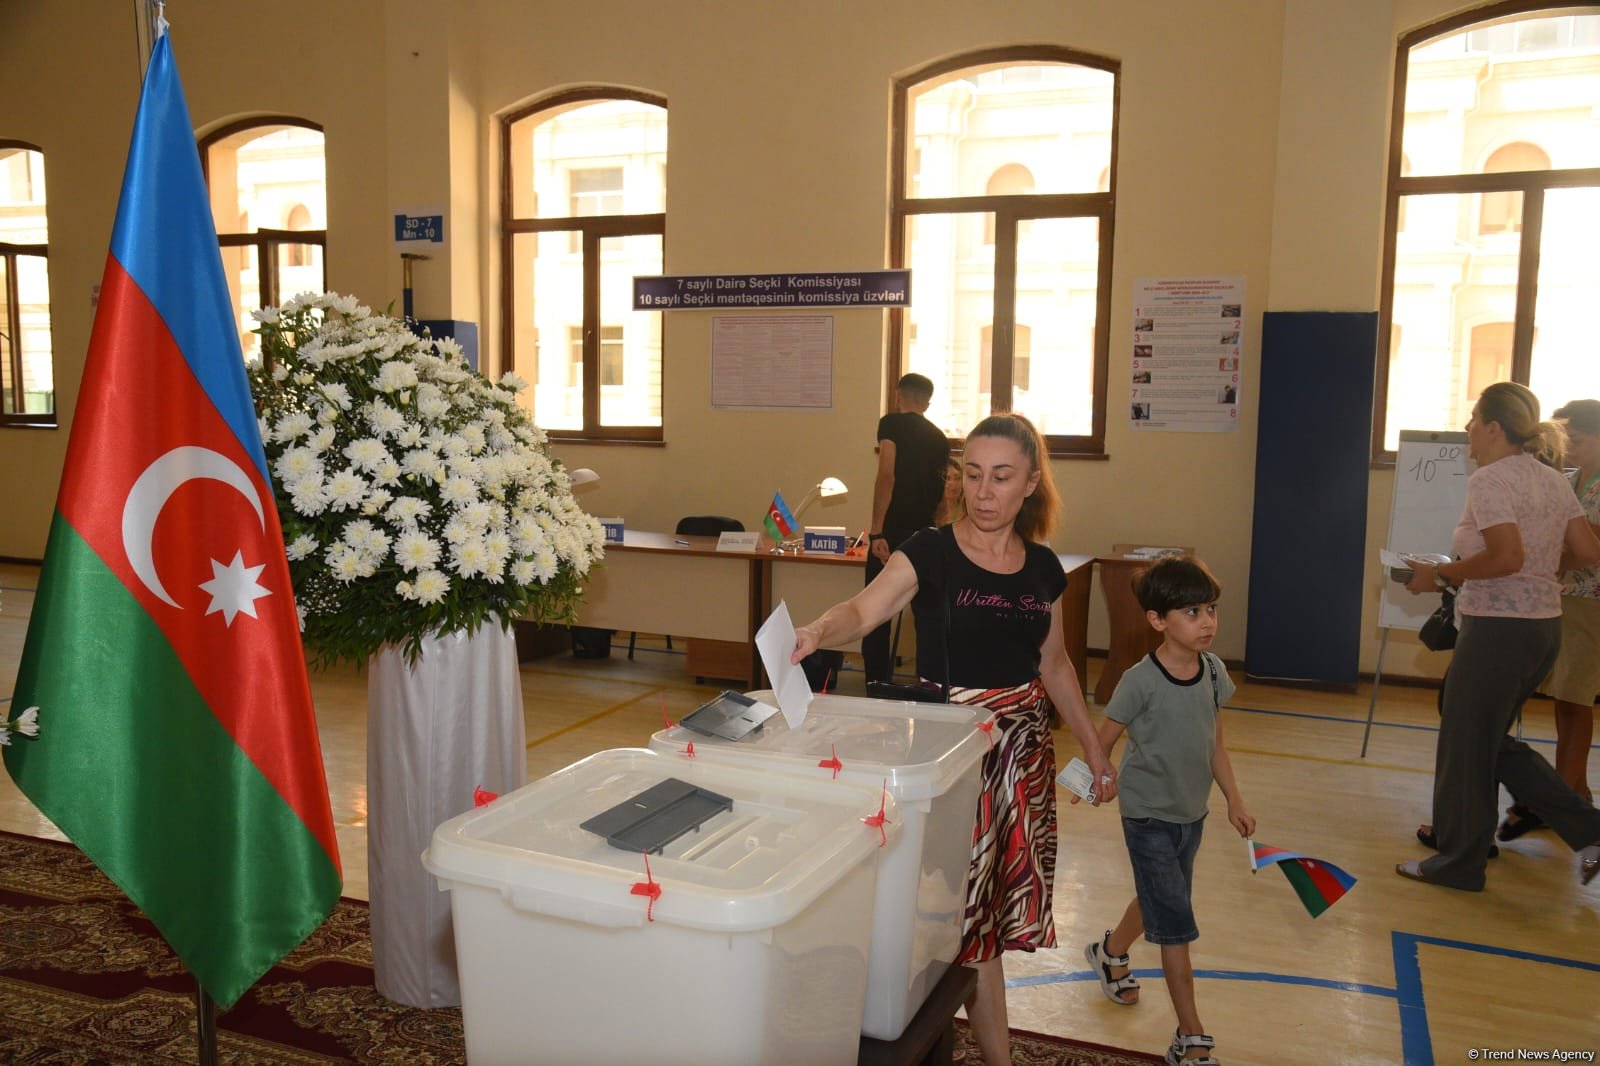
[997, 621]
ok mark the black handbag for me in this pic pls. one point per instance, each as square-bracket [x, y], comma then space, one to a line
[1439, 633]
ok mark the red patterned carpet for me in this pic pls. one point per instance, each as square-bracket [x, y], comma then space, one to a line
[85, 981]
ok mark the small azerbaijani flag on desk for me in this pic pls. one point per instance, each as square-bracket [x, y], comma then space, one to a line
[1319, 884]
[779, 522]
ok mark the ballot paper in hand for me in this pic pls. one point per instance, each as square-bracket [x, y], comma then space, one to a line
[775, 643]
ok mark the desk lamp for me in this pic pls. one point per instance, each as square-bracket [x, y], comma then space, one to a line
[826, 489]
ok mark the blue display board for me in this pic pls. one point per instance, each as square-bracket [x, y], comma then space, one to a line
[1309, 530]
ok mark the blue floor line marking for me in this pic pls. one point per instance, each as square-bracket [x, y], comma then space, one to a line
[1415, 1042]
[1153, 973]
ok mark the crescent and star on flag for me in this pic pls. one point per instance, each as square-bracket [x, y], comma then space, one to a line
[233, 587]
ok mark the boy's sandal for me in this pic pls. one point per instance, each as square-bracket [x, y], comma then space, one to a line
[1589, 863]
[1519, 820]
[1182, 1042]
[1430, 839]
[1100, 961]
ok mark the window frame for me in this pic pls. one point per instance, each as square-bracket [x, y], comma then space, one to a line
[1533, 184]
[592, 229]
[12, 324]
[1008, 211]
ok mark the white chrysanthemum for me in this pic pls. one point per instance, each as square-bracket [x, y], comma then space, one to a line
[522, 572]
[431, 586]
[469, 558]
[458, 491]
[385, 419]
[387, 472]
[346, 489]
[407, 509]
[280, 372]
[420, 462]
[304, 377]
[432, 404]
[291, 427]
[415, 550]
[366, 453]
[322, 439]
[370, 542]
[544, 565]
[405, 590]
[27, 723]
[343, 562]
[395, 375]
[267, 316]
[337, 394]
[458, 530]
[513, 381]
[307, 495]
[304, 546]
[377, 502]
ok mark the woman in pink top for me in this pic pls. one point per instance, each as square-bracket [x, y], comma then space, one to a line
[1520, 526]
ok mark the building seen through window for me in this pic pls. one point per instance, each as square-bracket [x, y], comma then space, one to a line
[1003, 211]
[27, 372]
[1494, 216]
[585, 215]
[268, 185]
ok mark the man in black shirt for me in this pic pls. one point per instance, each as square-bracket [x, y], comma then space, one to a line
[912, 456]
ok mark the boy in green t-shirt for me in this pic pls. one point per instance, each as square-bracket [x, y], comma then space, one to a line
[1169, 703]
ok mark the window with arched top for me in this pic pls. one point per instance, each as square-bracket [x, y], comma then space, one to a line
[1494, 177]
[268, 168]
[960, 128]
[583, 203]
[27, 360]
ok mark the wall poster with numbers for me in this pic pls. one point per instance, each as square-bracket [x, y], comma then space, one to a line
[1186, 340]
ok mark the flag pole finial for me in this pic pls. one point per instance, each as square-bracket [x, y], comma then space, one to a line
[161, 19]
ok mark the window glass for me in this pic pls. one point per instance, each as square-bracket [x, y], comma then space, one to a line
[592, 157]
[27, 367]
[1565, 366]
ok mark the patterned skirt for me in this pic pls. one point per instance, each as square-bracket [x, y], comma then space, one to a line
[1014, 841]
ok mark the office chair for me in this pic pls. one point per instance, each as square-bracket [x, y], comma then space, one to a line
[696, 525]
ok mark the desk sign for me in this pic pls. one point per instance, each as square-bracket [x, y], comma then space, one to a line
[759, 292]
[826, 539]
[739, 542]
[613, 528]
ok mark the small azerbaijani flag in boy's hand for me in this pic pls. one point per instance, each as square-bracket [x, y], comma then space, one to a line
[779, 522]
[1319, 884]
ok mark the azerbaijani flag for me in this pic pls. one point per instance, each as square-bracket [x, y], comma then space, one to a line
[179, 747]
[1318, 884]
[779, 522]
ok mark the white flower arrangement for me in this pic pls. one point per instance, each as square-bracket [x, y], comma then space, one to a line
[415, 495]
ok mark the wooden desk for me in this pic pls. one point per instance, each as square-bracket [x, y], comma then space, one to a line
[1132, 637]
[1075, 610]
[663, 583]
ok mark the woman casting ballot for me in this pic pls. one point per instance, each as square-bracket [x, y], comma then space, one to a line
[988, 589]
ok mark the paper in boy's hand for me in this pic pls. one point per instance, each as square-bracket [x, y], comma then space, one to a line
[1078, 779]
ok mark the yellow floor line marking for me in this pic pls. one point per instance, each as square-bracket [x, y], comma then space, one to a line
[580, 723]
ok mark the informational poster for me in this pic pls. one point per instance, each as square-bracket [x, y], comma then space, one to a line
[1186, 334]
[772, 361]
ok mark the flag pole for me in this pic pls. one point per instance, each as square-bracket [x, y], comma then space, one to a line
[205, 1009]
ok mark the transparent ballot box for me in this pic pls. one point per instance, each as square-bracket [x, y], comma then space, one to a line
[744, 942]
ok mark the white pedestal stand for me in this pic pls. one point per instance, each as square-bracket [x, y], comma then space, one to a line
[436, 731]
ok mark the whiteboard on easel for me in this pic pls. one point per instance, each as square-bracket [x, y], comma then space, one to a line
[1430, 488]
